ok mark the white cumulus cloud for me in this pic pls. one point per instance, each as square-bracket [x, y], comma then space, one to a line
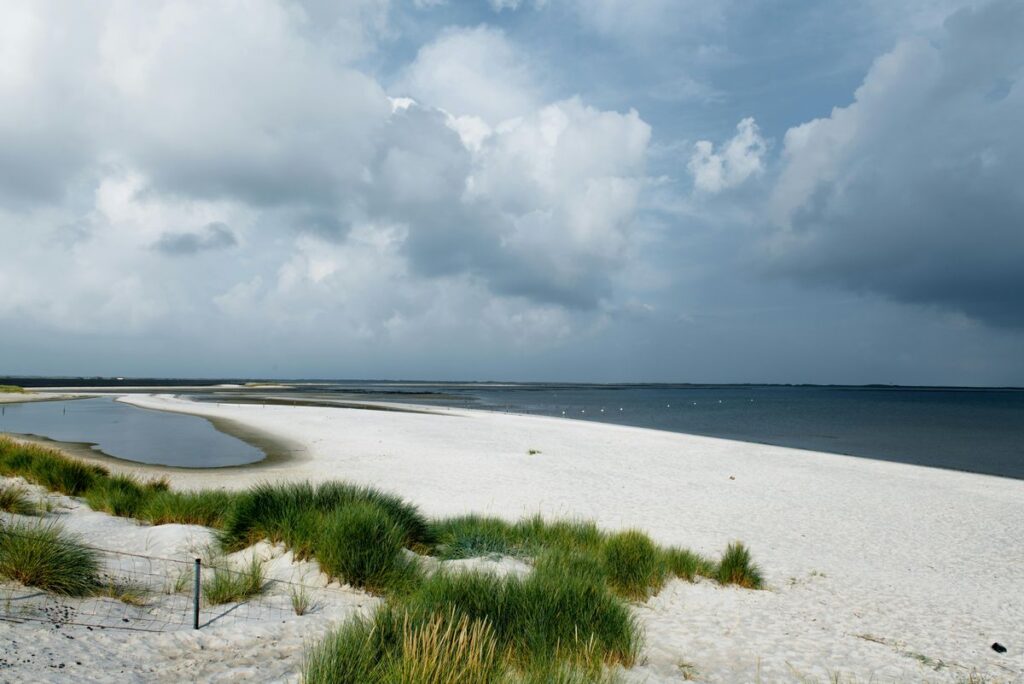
[736, 160]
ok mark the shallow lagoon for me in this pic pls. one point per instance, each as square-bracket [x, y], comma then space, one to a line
[130, 433]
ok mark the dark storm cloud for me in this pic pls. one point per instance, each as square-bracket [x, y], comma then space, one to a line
[914, 191]
[213, 236]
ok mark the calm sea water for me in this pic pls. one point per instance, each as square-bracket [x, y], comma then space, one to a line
[130, 433]
[974, 430]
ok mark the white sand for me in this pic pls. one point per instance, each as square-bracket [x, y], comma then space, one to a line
[878, 571]
[27, 396]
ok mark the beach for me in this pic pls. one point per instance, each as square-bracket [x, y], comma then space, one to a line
[876, 571]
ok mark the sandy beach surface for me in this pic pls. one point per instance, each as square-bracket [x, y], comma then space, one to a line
[877, 571]
[25, 397]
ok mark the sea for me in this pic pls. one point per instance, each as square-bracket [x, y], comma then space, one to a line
[970, 429]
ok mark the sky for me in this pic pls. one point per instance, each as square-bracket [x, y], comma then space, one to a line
[547, 190]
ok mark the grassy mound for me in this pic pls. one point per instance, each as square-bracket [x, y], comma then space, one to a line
[206, 507]
[47, 557]
[14, 498]
[121, 495]
[11, 389]
[476, 626]
[48, 467]
[634, 565]
[280, 513]
[362, 544]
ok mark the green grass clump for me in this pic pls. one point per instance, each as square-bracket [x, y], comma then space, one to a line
[275, 512]
[473, 536]
[14, 498]
[120, 495]
[548, 615]
[362, 545]
[634, 565]
[737, 567]
[232, 586]
[352, 654]
[11, 389]
[687, 565]
[47, 557]
[48, 467]
[395, 647]
[207, 507]
[540, 623]
[536, 534]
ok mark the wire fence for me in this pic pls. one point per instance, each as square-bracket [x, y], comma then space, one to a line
[154, 594]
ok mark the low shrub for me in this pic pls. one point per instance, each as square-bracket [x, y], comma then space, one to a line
[43, 555]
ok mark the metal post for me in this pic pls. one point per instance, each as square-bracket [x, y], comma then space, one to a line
[195, 597]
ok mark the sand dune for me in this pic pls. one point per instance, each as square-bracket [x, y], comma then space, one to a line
[878, 571]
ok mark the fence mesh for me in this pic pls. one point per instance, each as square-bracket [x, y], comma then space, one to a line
[150, 593]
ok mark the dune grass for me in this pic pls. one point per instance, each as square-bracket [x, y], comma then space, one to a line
[11, 389]
[121, 495]
[275, 512]
[227, 585]
[362, 544]
[48, 468]
[477, 627]
[43, 555]
[206, 507]
[14, 498]
[566, 621]
[635, 567]
[687, 565]
[737, 567]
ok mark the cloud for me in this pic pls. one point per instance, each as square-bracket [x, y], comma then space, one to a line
[736, 160]
[913, 191]
[213, 236]
[157, 126]
[473, 71]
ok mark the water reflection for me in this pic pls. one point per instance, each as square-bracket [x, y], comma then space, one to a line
[130, 433]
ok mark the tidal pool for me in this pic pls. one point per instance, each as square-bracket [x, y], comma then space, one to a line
[130, 433]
